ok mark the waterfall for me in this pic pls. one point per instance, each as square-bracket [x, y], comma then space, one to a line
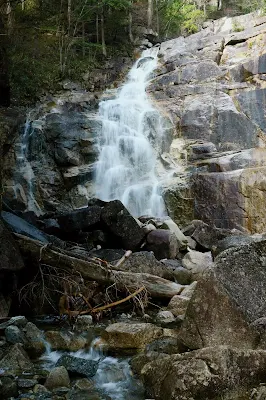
[126, 167]
[24, 185]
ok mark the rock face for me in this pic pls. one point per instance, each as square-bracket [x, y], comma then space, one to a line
[212, 85]
[205, 374]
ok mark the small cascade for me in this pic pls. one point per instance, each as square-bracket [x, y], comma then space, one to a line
[26, 188]
[131, 133]
[113, 377]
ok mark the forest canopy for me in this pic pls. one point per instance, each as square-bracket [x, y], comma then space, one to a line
[45, 41]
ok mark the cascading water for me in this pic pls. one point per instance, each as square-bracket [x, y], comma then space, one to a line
[113, 377]
[126, 166]
[25, 188]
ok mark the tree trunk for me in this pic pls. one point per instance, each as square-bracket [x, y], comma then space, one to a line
[130, 25]
[103, 34]
[69, 15]
[93, 270]
[150, 13]
[97, 28]
[4, 66]
[219, 5]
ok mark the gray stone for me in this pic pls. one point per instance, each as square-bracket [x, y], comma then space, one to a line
[178, 305]
[163, 243]
[197, 262]
[78, 366]
[34, 343]
[175, 270]
[24, 383]
[14, 335]
[80, 220]
[165, 317]
[18, 321]
[16, 359]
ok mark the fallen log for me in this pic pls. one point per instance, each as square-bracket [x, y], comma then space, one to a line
[93, 270]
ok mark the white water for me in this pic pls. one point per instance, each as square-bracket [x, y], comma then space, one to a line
[126, 166]
[26, 190]
[113, 377]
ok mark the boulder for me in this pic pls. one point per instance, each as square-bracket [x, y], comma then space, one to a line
[145, 262]
[19, 225]
[207, 236]
[58, 377]
[130, 335]
[208, 374]
[214, 318]
[197, 262]
[19, 321]
[236, 241]
[175, 271]
[8, 388]
[60, 340]
[10, 255]
[78, 366]
[163, 243]
[34, 340]
[83, 219]
[14, 335]
[16, 359]
[165, 317]
[178, 305]
[119, 221]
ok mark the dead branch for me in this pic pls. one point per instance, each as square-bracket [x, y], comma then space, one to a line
[92, 270]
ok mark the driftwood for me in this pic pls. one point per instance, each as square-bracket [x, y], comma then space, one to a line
[94, 270]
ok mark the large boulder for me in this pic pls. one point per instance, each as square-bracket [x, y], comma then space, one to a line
[130, 336]
[209, 373]
[16, 359]
[83, 219]
[196, 262]
[227, 300]
[58, 377]
[10, 255]
[119, 222]
[163, 243]
[78, 366]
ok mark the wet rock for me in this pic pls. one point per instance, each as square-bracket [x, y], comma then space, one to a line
[58, 377]
[8, 388]
[10, 255]
[40, 389]
[34, 343]
[197, 262]
[178, 305]
[208, 373]
[83, 384]
[78, 366]
[16, 359]
[14, 335]
[130, 336]
[19, 321]
[26, 383]
[163, 243]
[119, 221]
[65, 341]
[22, 227]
